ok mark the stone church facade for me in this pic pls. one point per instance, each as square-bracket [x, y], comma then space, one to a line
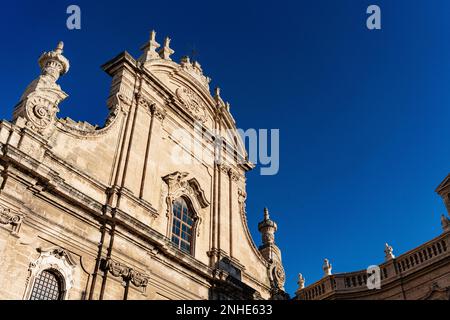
[107, 212]
[111, 213]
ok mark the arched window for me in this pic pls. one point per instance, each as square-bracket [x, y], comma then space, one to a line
[48, 285]
[183, 225]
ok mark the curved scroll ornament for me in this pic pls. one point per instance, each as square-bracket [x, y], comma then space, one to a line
[40, 113]
[57, 259]
[278, 276]
[127, 274]
[193, 103]
[9, 218]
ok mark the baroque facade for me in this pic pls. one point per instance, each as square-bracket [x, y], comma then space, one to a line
[90, 212]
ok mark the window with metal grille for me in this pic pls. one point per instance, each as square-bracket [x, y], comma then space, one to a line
[47, 286]
[182, 225]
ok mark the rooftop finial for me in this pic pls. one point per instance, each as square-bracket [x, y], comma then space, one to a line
[153, 36]
[266, 214]
[59, 66]
[301, 282]
[267, 228]
[150, 48]
[327, 267]
[166, 51]
[59, 47]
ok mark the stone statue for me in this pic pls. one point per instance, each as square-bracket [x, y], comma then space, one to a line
[301, 282]
[327, 267]
[389, 252]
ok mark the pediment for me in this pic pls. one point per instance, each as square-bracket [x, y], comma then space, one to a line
[194, 97]
[180, 185]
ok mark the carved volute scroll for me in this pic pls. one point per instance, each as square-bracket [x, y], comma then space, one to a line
[9, 218]
[128, 275]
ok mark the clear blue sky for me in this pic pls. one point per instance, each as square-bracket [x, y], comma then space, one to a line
[363, 115]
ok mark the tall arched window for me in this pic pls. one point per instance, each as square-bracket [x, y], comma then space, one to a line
[48, 285]
[183, 225]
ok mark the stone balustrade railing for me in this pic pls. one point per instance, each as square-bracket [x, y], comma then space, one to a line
[391, 270]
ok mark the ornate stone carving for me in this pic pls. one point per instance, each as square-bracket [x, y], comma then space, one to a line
[138, 279]
[278, 276]
[158, 112]
[8, 218]
[179, 186]
[327, 267]
[57, 259]
[195, 70]
[166, 51]
[39, 103]
[127, 274]
[301, 282]
[117, 269]
[267, 228]
[193, 103]
[389, 252]
[149, 49]
[224, 168]
[242, 197]
[234, 176]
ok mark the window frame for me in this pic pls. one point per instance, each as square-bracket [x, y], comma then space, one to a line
[59, 261]
[59, 279]
[193, 227]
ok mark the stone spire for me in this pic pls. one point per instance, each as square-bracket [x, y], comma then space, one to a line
[445, 222]
[38, 105]
[267, 228]
[327, 267]
[389, 252]
[149, 49]
[270, 251]
[166, 51]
